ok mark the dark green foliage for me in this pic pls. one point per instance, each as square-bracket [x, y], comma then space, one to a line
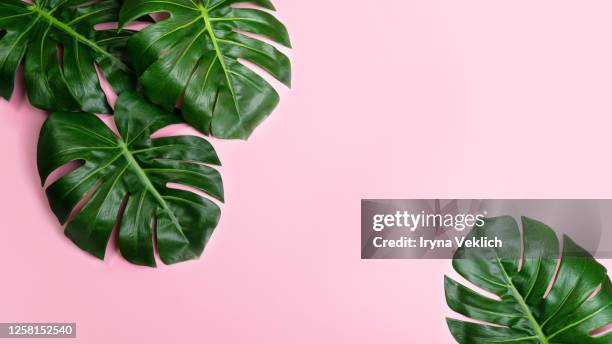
[566, 315]
[194, 54]
[137, 167]
[57, 41]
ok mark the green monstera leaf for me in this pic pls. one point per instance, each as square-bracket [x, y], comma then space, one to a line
[60, 48]
[136, 169]
[525, 313]
[195, 53]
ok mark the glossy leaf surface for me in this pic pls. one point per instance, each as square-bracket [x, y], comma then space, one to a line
[193, 55]
[135, 167]
[60, 47]
[527, 312]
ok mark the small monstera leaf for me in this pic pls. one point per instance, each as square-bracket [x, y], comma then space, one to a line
[60, 47]
[136, 168]
[194, 54]
[526, 313]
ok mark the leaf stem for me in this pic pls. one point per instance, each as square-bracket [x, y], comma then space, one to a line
[215, 42]
[72, 32]
[146, 181]
[519, 298]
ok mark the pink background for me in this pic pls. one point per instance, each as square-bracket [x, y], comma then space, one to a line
[391, 99]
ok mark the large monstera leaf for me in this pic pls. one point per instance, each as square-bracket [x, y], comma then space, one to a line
[135, 167]
[525, 312]
[60, 48]
[194, 54]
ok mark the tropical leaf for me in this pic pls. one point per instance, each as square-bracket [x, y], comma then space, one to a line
[60, 48]
[194, 54]
[525, 313]
[137, 167]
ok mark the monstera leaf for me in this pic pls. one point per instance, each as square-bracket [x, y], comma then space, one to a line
[136, 169]
[525, 313]
[60, 46]
[195, 53]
